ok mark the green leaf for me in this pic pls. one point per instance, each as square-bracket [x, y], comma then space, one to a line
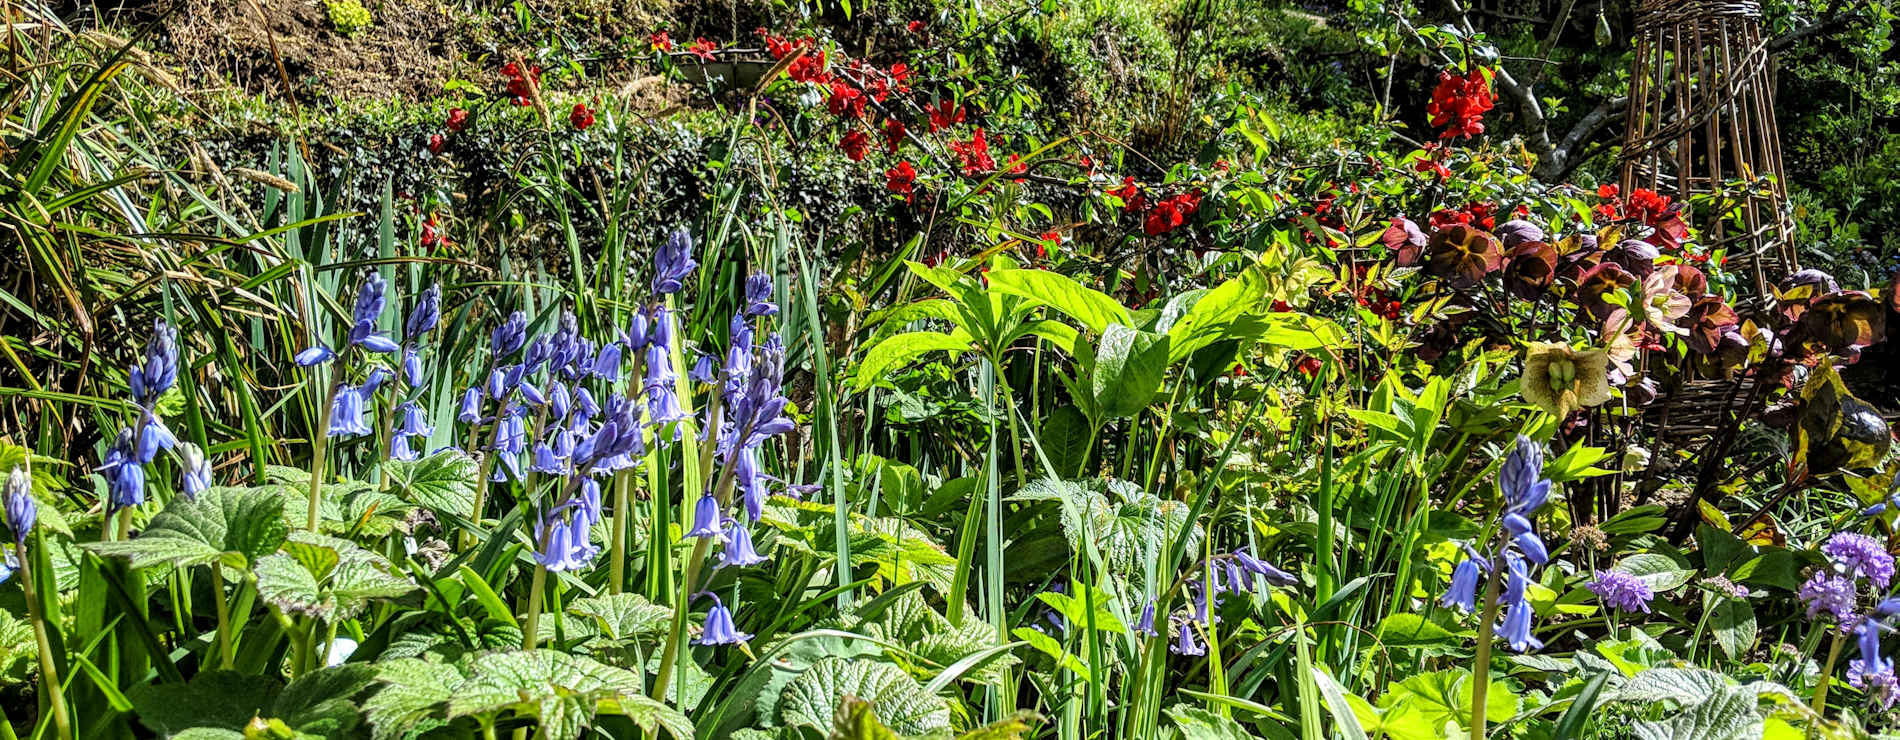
[1196, 723]
[813, 699]
[1092, 308]
[327, 578]
[1208, 320]
[213, 699]
[1065, 439]
[1734, 624]
[323, 702]
[1662, 573]
[1411, 631]
[898, 350]
[1129, 365]
[232, 525]
[412, 694]
[1443, 697]
[623, 616]
[856, 720]
[561, 691]
[444, 481]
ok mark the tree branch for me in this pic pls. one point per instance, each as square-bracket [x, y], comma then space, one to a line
[1842, 16]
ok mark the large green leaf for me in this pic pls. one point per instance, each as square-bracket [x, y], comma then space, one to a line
[233, 525]
[623, 616]
[214, 699]
[1129, 365]
[1442, 699]
[1734, 623]
[1091, 307]
[814, 698]
[1208, 320]
[1064, 437]
[444, 481]
[327, 578]
[1196, 723]
[413, 694]
[563, 692]
[898, 350]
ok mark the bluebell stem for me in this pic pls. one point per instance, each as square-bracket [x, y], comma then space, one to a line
[125, 477]
[22, 510]
[719, 629]
[705, 517]
[758, 296]
[738, 551]
[194, 470]
[673, 262]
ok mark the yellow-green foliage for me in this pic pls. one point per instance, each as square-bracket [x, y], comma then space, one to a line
[349, 16]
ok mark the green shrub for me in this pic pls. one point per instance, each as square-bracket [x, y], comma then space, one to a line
[348, 16]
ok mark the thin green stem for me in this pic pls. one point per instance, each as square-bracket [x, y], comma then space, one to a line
[1819, 703]
[49, 668]
[1481, 668]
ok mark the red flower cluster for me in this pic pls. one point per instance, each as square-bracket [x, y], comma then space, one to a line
[894, 133]
[1459, 103]
[703, 49]
[660, 42]
[1648, 206]
[581, 117]
[1017, 166]
[432, 234]
[915, 26]
[855, 145]
[1169, 213]
[521, 83]
[902, 179]
[809, 68]
[943, 115]
[436, 143]
[458, 120]
[845, 100]
[1129, 193]
[1481, 215]
[974, 155]
[779, 47]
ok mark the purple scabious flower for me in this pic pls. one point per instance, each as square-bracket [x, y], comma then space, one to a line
[1830, 594]
[1621, 590]
[719, 629]
[1857, 554]
[673, 262]
[22, 511]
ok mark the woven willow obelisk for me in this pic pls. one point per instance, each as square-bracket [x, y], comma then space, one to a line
[1702, 122]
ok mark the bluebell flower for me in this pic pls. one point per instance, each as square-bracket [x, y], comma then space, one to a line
[194, 470]
[1185, 642]
[22, 510]
[660, 328]
[1522, 479]
[634, 336]
[125, 477]
[758, 296]
[377, 377]
[9, 564]
[673, 262]
[1516, 629]
[544, 460]
[415, 421]
[719, 629]
[1872, 672]
[425, 316]
[559, 401]
[1146, 624]
[363, 334]
[702, 371]
[401, 449]
[1238, 581]
[1463, 593]
[738, 551]
[313, 355]
[537, 353]
[705, 517]
[607, 363]
[749, 482]
[565, 544]
[584, 405]
[663, 405]
[371, 295]
[509, 336]
[151, 378]
[346, 413]
[471, 410]
[412, 367]
[1273, 575]
[153, 436]
[1523, 535]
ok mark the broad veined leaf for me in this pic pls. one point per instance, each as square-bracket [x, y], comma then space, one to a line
[323, 702]
[1064, 437]
[813, 699]
[562, 692]
[900, 318]
[1662, 573]
[1206, 322]
[900, 349]
[1734, 623]
[1129, 526]
[623, 616]
[1088, 306]
[1129, 366]
[1444, 697]
[413, 694]
[1196, 723]
[327, 578]
[444, 481]
[231, 525]
[213, 699]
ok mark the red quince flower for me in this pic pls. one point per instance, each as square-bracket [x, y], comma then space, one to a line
[703, 49]
[580, 118]
[855, 145]
[659, 41]
[436, 143]
[902, 179]
[458, 120]
[943, 115]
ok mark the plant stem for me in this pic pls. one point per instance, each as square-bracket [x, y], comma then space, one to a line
[531, 630]
[320, 447]
[49, 669]
[1481, 670]
[1819, 703]
[224, 617]
[617, 560]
